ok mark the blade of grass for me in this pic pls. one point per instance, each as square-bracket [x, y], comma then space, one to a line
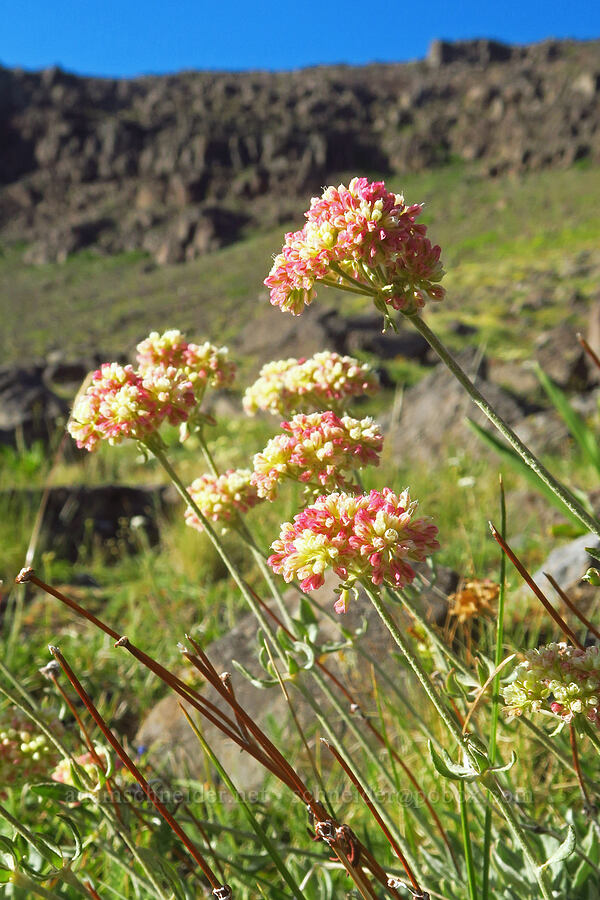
[466, 837]
[487, 833]
[585, 437]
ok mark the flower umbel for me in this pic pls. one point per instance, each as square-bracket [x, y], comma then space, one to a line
[222, 497]
[371, 538]
[324, 381]
[114, 406]
[319, 450]
[360, 233]
[25, 754]
[557, 680]
[204, 365]
[62, 772]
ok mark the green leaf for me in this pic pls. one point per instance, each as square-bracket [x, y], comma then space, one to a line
[306, 613]
[293, 667]
[449, 769]
[592, 576]
[261, 683]
[581, 432]
[55, 790]
[564, 850]
[511, 864]
[77, 842]
[594, 552]
[7, 847]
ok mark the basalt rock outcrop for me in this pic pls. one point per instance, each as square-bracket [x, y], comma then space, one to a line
[179, 164]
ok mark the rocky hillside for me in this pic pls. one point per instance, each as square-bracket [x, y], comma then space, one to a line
[179, 165]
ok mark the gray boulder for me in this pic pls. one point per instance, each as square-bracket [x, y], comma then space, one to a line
[29, 409]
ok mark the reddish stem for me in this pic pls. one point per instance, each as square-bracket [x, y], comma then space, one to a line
[188, 693]
[131, 766]
[588, 350]
[536, 590]
[88, 740]
[355, 707]
[569, 603]
[363, 793]
[578, 772]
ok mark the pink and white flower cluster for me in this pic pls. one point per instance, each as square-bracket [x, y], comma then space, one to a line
[370, 538]
[120, 402]
[25, 754]
[371, 235]
[323, 381]
[221, 498]
[557, 680]
[62, 772]
[204, 365]
[319, 450]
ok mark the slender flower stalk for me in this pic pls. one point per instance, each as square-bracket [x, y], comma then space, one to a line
[487, 778]
[588, 521]
[356, 710]
[444, 713]
[569, 634]
[158, 451]
[572, 606]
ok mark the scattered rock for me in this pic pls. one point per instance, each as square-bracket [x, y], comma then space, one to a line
[434, 412]
[567, 565]
[256, 143]
[562, 358]
[29, 410]
[111, 518]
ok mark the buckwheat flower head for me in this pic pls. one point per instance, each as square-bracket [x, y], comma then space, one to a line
[62, 772]
[557, 680]
[25, 754]
[222, 497]
[172, 390]
[323, 381]
[167, 349]
[368, 233]
[115, 405]
[204, 365]
[370, 538]
[319, 450]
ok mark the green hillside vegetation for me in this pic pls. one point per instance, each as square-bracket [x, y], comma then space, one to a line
[500, 238]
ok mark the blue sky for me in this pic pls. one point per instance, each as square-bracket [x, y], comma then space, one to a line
[133, 37]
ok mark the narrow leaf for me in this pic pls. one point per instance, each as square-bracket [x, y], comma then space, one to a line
[564, 850]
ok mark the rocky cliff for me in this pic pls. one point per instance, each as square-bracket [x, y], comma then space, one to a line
[179, 164]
